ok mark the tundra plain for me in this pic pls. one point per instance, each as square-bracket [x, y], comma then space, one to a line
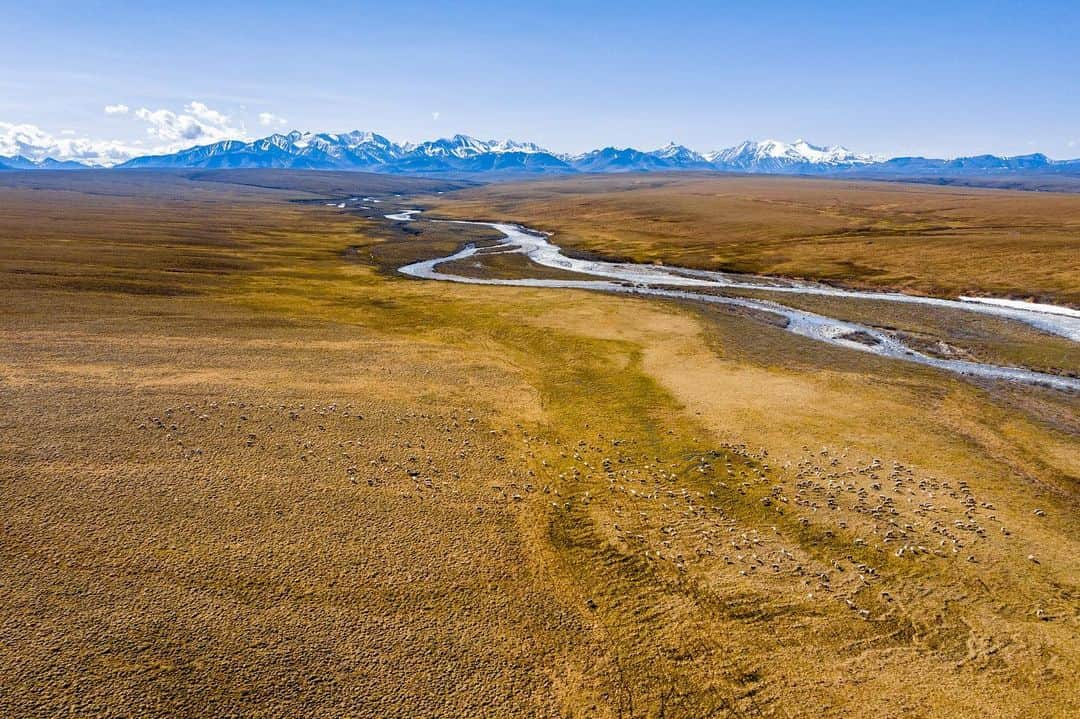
[247, 469]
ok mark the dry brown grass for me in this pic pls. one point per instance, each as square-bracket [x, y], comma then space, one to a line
[210, 510]
[246, 470]
[930, 240]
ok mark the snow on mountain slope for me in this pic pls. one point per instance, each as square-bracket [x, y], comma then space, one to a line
[774, 155]
[531, 148]
[679, 155]
[368, 151]
[464, 146]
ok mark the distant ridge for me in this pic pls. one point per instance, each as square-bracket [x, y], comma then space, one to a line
[18, 162]
[465, 155]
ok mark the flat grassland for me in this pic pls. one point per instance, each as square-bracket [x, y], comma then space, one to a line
[248, 470]
[944, 241]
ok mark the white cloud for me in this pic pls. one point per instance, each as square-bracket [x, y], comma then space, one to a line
[266, 119]
[435, 115]
[1071, 143]
[119, 109]
[169, 131]
[196, 125]
[37, 144]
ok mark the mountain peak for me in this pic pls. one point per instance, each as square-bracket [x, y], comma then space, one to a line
[680, 155]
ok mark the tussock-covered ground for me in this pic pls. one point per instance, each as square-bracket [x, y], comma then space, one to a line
[246, 470]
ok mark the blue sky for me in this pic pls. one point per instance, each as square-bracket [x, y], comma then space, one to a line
[934, 78]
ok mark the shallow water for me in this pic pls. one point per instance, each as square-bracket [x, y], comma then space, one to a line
[403, 216]
[681, 283]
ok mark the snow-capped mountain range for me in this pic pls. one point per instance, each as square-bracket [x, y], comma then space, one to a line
[773, 155]
[461, 154]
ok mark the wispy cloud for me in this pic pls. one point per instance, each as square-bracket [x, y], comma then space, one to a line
[435, 115]
[119, 109]
[269, 119]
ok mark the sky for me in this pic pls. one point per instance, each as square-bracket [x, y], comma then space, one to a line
[103, 81]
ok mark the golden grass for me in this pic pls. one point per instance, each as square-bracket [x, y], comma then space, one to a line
[555, 503]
